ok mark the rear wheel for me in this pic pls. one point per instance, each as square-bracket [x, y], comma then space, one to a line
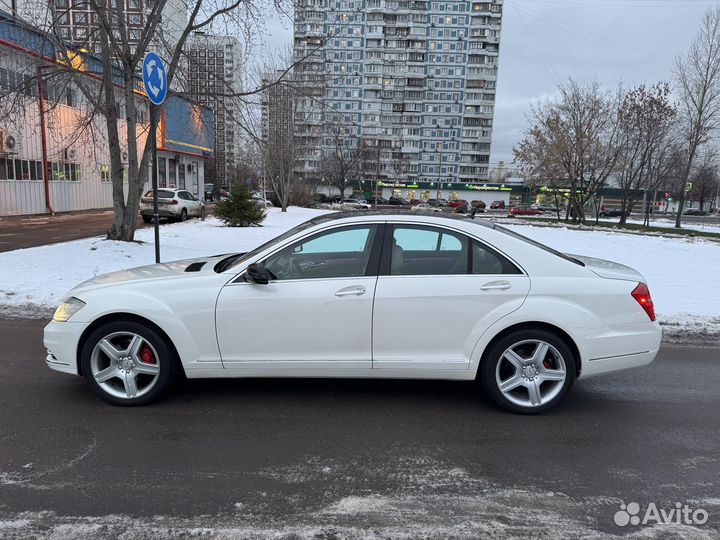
[528, 371]
[147, 219]
[127, 363]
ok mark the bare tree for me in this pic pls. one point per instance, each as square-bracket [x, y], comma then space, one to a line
[345, 156]
[645, 122]
[573, 140]
[117, 91]
[697, 76]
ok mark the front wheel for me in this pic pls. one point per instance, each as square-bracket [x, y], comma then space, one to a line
[127, 363]
[147, 219]
[528, 371]
[183, 215]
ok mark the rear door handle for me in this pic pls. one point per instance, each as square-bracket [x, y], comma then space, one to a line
[496, 285]
[351, 291]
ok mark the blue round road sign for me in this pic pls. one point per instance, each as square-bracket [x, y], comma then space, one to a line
[155, 78]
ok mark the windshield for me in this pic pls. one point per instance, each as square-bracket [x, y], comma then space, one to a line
[537, 245]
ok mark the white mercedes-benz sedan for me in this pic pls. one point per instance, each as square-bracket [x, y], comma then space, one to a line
[363, 295]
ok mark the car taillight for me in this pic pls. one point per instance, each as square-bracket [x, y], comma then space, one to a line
[174, 201]
[642, 294]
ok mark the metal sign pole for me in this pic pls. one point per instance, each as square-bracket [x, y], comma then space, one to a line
[153, 150]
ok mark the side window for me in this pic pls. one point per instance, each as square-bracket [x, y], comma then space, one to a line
[420, 251]
[338, 253]
[488, 261]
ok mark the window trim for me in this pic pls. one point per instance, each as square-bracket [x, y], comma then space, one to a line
[384, 269]
[373, 260]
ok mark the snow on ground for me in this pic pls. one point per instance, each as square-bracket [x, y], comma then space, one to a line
[682, 272]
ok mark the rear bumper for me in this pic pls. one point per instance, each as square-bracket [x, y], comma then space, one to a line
[619, 347]
[163, 212]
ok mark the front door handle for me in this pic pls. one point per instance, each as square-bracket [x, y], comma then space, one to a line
[351, 291]
[496, 285]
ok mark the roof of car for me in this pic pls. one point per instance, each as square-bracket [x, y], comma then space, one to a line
[377, 215]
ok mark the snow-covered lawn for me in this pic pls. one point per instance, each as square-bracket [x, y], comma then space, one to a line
[683, 273]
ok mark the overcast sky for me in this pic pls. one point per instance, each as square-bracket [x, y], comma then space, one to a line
[546, 41]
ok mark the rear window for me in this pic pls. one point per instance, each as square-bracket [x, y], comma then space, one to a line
[162, 194]
[537, 245]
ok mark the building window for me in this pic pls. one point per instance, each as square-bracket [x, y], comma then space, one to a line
[105, 173]
[162, 174]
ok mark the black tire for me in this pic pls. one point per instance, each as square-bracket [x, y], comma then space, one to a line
[489, 369]
[183, 215]
[147, 219]
[167, 363]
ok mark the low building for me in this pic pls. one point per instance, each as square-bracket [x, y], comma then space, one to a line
[77, 176]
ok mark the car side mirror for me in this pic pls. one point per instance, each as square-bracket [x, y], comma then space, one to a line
[257, 273]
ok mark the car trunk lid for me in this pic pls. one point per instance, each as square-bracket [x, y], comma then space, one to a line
[609, 269]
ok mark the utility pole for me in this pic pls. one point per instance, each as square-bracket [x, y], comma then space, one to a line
[377, 173]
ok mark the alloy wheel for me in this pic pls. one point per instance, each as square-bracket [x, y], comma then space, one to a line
[125, 365]
[530, 373]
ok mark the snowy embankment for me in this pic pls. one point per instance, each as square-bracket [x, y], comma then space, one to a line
[682, 272]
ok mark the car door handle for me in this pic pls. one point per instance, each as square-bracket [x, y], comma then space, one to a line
[351, 291]
[496, 285]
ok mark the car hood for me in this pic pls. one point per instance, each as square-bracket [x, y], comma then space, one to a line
[609, 269]
[184, 268]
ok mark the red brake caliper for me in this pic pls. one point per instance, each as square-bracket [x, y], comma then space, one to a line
[547, 364]
[146, 355]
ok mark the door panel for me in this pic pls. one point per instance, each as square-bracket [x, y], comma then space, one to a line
[439, 292]
[297, 321]
[316, 311]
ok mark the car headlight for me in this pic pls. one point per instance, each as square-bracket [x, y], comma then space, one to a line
[67, 309]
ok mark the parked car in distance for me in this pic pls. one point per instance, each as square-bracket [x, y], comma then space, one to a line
[463, 208]
[524, 211]
[457, 202]
[544, 207]
[425, 207]
[330, 289]
[351, 203]
[263, 202]
[398, 201]
[478, 204]
[175, 204]
[497, 205]
[610, 213]
[380, 200]
[694, 212]
[320, 198]
[415, 202]
[211, 192]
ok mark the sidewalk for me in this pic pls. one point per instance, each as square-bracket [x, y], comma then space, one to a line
[18, 232]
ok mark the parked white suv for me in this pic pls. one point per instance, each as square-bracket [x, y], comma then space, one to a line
[177, 204]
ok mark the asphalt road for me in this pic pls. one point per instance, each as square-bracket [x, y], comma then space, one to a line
[371, 459]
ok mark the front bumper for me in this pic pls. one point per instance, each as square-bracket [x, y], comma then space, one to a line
[61, 341]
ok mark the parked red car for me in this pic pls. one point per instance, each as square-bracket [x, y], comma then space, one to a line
[524, 211]
[457, 203]
[497, 205]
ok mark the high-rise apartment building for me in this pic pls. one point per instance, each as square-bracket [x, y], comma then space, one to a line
[415, 77]
[213, 64]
